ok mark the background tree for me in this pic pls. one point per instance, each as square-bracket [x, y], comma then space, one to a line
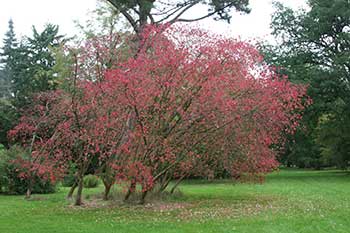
[104, 20]
[8, 55]
[7, 61]
[143, 12]
[34, 64]
[314, 48]
[35, 129]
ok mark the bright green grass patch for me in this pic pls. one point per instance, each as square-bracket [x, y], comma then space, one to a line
[289, 201]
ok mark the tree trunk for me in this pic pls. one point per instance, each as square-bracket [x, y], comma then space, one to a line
[78, 198]
[164, 185]
[143, 197]
[108, 186]
[30, 180]
[177, 184]
[29, 189]
[28, 193]
[130, 190]
[72, 189]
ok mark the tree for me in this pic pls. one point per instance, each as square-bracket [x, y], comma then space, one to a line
[33, 68]
[181, 107]
[178, 129]
[102, 47]
[314, 49]
[34, 132]
[69, 127]
[8, 115]
[7, 60]
[141, 13]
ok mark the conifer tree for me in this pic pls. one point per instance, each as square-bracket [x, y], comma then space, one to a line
[7, 60]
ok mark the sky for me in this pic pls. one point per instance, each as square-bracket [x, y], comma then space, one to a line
[64, 12]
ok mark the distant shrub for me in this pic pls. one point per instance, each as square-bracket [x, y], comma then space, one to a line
[91, 181]
[68, 180]
[11, 183]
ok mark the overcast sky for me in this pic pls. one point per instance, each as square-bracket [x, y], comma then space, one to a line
[39, 12]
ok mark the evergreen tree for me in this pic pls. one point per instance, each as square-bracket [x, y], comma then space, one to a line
[34, 64]
[8, 55]
[7, 60]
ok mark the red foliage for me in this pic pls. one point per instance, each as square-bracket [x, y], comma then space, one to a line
[198, 101]
[34, 132]
[189, 102]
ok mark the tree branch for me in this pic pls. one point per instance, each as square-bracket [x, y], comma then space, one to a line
[125, 14]
[184, 9]
[130, 20]
[176, 19]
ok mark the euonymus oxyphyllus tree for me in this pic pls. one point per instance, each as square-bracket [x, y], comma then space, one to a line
[189, 103]
[34, 132]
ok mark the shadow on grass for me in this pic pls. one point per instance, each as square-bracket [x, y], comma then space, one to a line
[209, 182]
[298, 174]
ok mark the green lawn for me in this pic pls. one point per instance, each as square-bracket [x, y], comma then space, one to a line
[289, 201]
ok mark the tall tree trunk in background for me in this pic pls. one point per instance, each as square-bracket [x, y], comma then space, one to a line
[29, 189]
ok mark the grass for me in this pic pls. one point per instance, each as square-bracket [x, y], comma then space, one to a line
[289, 201]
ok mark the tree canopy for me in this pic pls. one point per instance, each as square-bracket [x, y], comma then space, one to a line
[179, 108]
[314, 48]
[141, 12]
